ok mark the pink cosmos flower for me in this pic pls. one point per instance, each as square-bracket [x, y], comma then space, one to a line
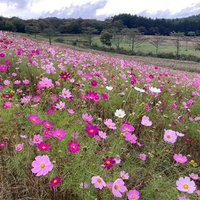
[46, 83]
[41, 165]
[66, 93]
[43, 146]
[179, 158]
[194, 176]
[102, 135]
[117, 159]
[109, 185]
[75, 135]
[182, 197]
[19, 147]
[110, 124]
[98, 182]
[146, 121]
[124, 175]
[133, 195]
[73, 146]
[37, 139]
[70, 111]
[87, 117]
[47, 124]
[34, 119]
[118, 188]
[143, 156]
[58, 133]
[55, 181]
[127, 128]
[184, 184]
[131, 138]
[60, 105]
[26, 82]
[84, 185]
[170, 136]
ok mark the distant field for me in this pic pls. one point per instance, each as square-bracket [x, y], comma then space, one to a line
[146, 47]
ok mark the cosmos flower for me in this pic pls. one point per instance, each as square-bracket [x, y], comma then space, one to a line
[19, 147]
[73, 146]
[58, 133]
[108, 162]
[43, 146]
[179, 158]
[184, 184]
[120, 113]
[55, 181]
[110, 124]
[66, 93]
[87, 117]
[124, 175]
[154, 90]
[98, 182]
[118, 187]
[170, 136]
[133, 195]
[41, 165]
[37, 139]
[34, 119]
[146, 121]
[194, 176]
[65, 75]
[47, 124]
[60, 105]
[91, 129]
[143, 156]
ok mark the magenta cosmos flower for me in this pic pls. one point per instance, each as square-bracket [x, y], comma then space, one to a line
[93, 83]
[170, 136]
[130, 138]
[41, 165]
[184, 184]
[108, 162]
[44, 146]
[47, 124]
[65, 75]
[58, 133]
[55, 181]
[73, 146]
[146, 121]
[91, 129]
[118, 188]
[127, 128]
[34, 119]
[133, 195]
[98, 182]
[179, 158]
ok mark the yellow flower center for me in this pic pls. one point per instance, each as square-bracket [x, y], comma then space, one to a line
[73, 147]
[108, 162]
[33, 119]
[91, 131]
[58, 134]
[133, 196]
[168, 136]
[185, 186]
[43, 147]
[99, 180]
[116, 187]
[42, 165]
[55, 181]
[47, 125]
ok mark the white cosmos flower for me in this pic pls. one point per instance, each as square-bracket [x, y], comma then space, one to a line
[109, 87]
[155, 90]
[120, 113]
[138, 89]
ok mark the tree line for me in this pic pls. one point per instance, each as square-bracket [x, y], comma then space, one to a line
[190, 26]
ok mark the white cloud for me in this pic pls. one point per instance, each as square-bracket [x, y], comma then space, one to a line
[37, 8]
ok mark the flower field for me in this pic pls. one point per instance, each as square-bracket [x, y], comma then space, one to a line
[83, 126]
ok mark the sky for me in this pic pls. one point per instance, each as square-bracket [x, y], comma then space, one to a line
[98, 9]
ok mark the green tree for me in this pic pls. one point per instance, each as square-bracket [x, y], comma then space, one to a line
[106, 38]
[89, 32]
[50, 33]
